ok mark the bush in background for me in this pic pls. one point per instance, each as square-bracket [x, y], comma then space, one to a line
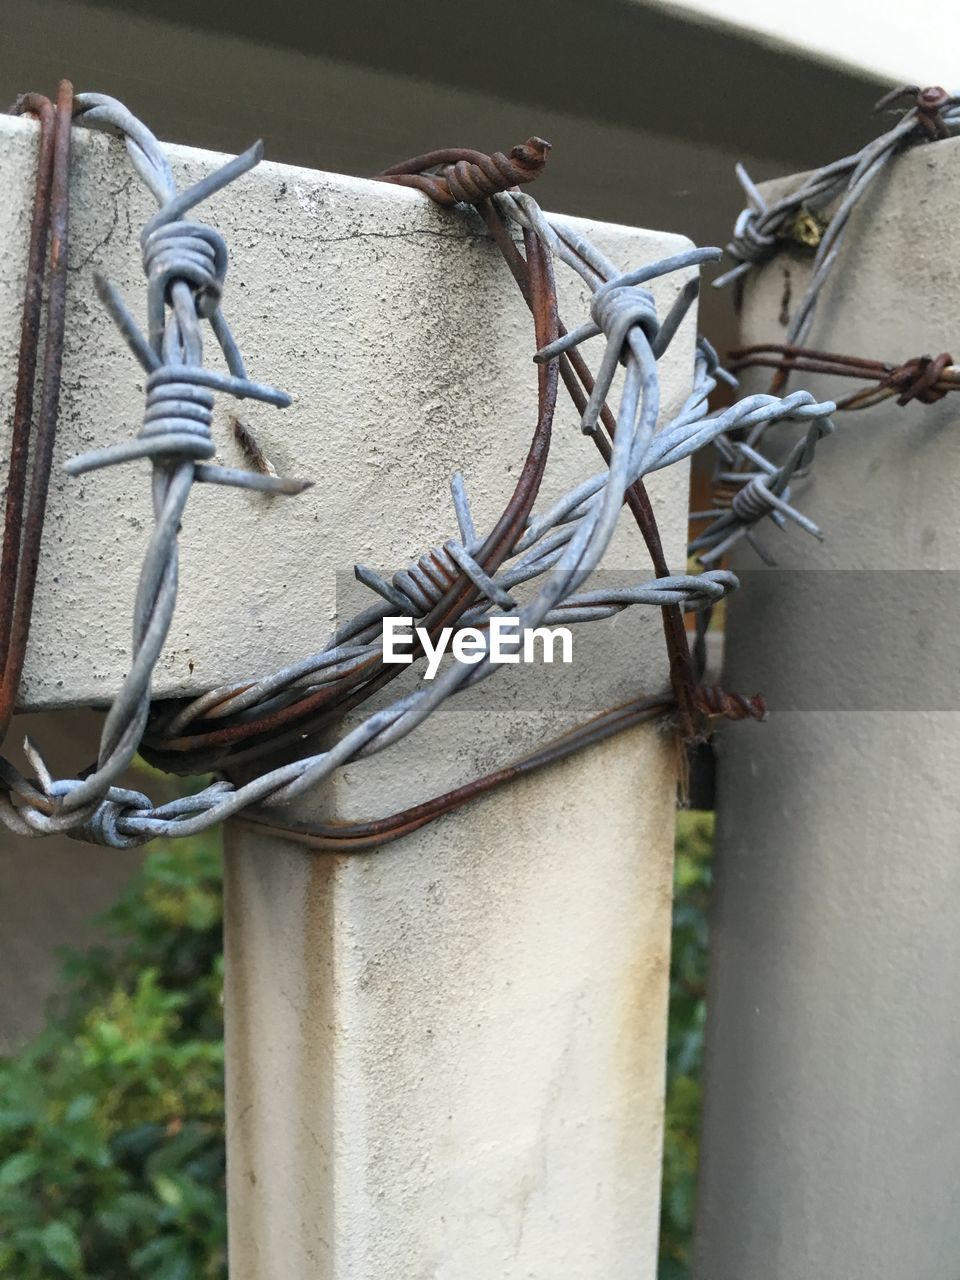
[688, 975]
[111, 1121]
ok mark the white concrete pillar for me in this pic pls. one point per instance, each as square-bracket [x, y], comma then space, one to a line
[830, 1146]
[444, 1059]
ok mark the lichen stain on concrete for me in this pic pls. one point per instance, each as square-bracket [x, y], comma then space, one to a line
[643, 989]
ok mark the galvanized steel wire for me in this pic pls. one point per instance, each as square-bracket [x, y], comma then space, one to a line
[761, 229]
[816, 213]
[558, 549]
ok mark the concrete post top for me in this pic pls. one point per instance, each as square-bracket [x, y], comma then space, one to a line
[553, 554]
[407, 351]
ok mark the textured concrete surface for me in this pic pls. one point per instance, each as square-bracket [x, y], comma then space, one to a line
[833, 1053]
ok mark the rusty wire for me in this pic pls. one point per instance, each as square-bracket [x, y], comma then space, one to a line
[456, 175]
[472, 578]
[31, 443]
[926, 379]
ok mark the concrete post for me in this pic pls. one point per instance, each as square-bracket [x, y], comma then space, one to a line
[444, 1059]
[833, 1053]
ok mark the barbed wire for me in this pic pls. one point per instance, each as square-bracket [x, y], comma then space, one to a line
[761, 229]
[925, 379]
[467, 581]
[748, 485]
[764, 491]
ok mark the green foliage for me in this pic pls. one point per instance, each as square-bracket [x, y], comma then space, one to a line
[688, 972]
[111, 1121]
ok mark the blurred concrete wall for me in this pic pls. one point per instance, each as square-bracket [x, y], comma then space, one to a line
[915, 42]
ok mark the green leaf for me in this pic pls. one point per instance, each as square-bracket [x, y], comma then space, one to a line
[165, 1258]
[137, 1143]
[111, 1120]
[177, 1266]
[62, 1247]
[18, 1169]
[168, 1190]
[692, 879]
[80, 1108]
[177, 1150]
[671, 1269]
[129, 1212]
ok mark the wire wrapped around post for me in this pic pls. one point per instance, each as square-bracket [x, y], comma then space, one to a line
[816, 213]
[536, 563]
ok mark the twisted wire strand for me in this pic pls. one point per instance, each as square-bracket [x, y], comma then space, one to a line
[560, 549]
[714, 701]
[926, 379]
[589, 263]
[763, 492]
[761, 228]
[454, 175]
[543, 540]
[185, 266]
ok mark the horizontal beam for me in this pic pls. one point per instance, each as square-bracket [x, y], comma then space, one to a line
[619, 61]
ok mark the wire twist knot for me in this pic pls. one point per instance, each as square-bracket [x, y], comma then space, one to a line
[187, 251]
[618, 306]
[749, 242]
[917, 379]
[765, 491]
[419, 588]
[927, 104]
[626, 315]
[712, 700]
[178, 419]
[103, 827]
[456, 175]
[185, 264]
[756, 499]
[473, 180]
